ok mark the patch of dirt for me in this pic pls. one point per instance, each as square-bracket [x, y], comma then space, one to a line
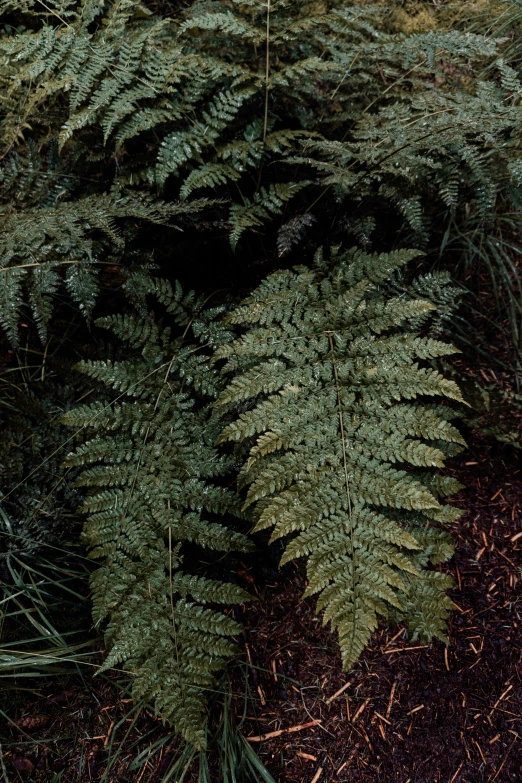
[406, 712]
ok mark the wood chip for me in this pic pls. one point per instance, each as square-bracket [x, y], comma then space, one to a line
[516, 537]
[446, 657]
[383, 718]
[360, 711]
[390, 700]
[343, 765]
[291, 730]
[317, 775]
[307, 756]
[405, 649]
[415, 709]
[496, 494]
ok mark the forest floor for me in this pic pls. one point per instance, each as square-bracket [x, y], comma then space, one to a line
[406, 713]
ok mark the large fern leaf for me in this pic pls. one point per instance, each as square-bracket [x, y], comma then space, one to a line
[150, 467]
[339, 437]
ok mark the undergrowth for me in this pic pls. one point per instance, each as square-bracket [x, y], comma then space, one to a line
[334, 167]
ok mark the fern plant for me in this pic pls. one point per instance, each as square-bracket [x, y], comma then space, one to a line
[53, 238]
[419, 126]
[339, 439]
[153, 476]
[219, 95]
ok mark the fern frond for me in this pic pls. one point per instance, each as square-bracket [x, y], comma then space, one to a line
[64, 243]
[150, 466]
[269, 201]
[326, 370]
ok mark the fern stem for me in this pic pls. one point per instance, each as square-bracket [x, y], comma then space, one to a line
[170, 581]
[54, 13]
[341, 425]
[171, 590]
[267, 69]
[346, 480]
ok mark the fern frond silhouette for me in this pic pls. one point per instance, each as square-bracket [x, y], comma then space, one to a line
[152, 469]
[339, 439]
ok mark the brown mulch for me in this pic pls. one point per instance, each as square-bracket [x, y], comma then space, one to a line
[411, 712]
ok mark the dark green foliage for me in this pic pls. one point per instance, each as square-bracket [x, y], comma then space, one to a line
[447, 163]
[327, 367]
[42, 574]
[33, 512]
[151, 470]
[305, 124]
[252, 103]
[49, 238]
[232, 88]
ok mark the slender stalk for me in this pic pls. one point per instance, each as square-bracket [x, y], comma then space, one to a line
[346, 479]
[267, 68]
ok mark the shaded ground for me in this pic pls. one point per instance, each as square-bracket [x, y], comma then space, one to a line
[409, 713]
[420, 715]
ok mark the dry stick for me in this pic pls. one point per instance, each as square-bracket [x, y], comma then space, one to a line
[394, 637]
[338, 693]
[312, 717]
[500, 699]
[390, 701]
[307, 756]
[360, 711]
[2, 766]
[36, 263]
[457, 772]
[480, 751]
[497, 773]
[279, 732]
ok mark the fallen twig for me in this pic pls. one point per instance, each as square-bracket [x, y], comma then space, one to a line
[279, 732]
[338, 693]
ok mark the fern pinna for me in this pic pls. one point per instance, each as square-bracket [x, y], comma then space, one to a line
[151, 469]
[327, 370]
